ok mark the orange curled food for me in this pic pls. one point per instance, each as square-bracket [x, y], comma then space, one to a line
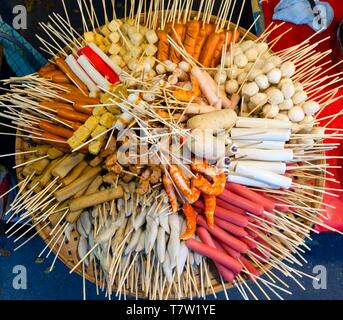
[191, 217]
[169, 188]
[188, 95]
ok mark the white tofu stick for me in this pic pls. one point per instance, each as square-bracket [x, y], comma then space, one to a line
[272, 145]
[260, 134]
[244, 122]
[285, 155]
[276, 167]
[250, 182]
[264, 176]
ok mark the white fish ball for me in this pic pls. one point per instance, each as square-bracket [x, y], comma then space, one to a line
[245, 45]
[307, 124]
[270, 111]
[240, 60]
[133, 98]
[311, 107]
[288, 90]
[233, 72]
[287, 69]
[282, 117]
[299, 97]
[262, 81]
[283, 81]
[268, 66]
[248, 67]
[296, 114]
[250, 89]
[261, 47]
[298, 86]
[185, 66]
[275, 60]
[254, 73]
[136, 51]
[251, 54]
[151, 36]
[275, 96]
[161, 69]
[237, 51]
[274, 76]
[265, 55]
[171, 66]
[220, 77]
[287, 104]
[241, 77]
[259, 99]
[231, 86]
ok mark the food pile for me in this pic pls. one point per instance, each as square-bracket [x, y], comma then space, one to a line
[167, 152]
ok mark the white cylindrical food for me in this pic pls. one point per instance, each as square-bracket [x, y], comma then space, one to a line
[264, 176]
[272, 145]
[256, 123]
[276, 167]
[285, 155]
[94, 74]
[81, 74]
[249, 182]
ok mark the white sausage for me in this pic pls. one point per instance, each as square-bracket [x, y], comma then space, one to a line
[249, 182]
[264, 176]
[273, 145]
[285, 155]
[261, 134]
[277, 167]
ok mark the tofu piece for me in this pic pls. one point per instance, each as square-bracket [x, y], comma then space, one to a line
[82, 133]
[105, 31]
[98, 111]
[114, 109]
[107, 120]
[91, 123]
[98, 130]
[114, 37]
[99, 39]
[95, 146]
[89, 37]
[114, 49]
[74, 142]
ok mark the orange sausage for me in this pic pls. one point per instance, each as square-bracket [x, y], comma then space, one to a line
[178, 33]
[192, 33]
[56, 105]
[60, 78]
[218, 52]
[72, 115]
[43, 70]
[72, 88]
[79, 106]
[75, 125]
[70, 74]
[204, 32]
[59, 131]
[52, 73]
[163, 46]
[77, 98]
[209, 48]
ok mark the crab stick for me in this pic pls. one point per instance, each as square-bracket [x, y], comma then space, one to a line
[245, 122]
[271, 145]
[265, 176]
[94, 74]
[274, 166]
[285, 155]
[214, 254]
[206, 238]
[260, 134]
[81, 74]
[251, 195]
[227, 215]
[223, 236]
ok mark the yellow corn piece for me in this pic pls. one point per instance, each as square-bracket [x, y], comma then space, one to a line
[95, 146]
[91, 123]
[107, 120]
[82, 133]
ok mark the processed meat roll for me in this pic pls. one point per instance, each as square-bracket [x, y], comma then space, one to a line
[260, 134]
[244, 122]
[272, 145]
[285, 155]
[276, 167]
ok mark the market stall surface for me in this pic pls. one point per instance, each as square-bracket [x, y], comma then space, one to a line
[326, 254]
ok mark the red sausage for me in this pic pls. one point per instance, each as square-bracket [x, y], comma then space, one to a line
[214, 254]
[245, 192]
[230, 207]
[241, 202]
[229, 227]
[206, 238]
[248, 265]
[251, 244]
[231, 252]
[227, 215]
[224, 236]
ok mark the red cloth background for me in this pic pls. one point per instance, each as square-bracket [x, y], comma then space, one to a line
[298, 34]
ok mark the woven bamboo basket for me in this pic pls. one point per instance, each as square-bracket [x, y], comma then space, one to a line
[68, 252]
